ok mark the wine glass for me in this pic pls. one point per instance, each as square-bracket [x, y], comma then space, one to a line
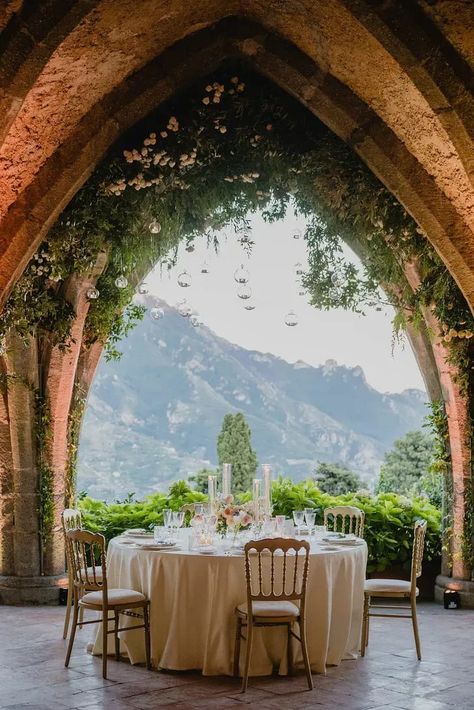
[298, 517]
[310, 517]
[280, 521]
[177, 520]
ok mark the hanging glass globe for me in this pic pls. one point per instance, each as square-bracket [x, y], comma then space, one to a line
[184, 279]
[190, 247]
[301, 293]
[297, 234]
[142, 289]
[241, 275]
[244, 292]
[291, 319]
[299, 269]
[121, 281]
[156, 314]
[154, 227]
[184, 309]
[92, 293]
[195, 321]
[337, 279]
[334, 293]
[250, 306]
[204, 267]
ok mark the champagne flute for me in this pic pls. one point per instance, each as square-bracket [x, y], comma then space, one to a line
[167, 519]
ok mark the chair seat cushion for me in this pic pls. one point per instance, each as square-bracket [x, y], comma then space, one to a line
[114, 596]
[396, 586]
[271, 610]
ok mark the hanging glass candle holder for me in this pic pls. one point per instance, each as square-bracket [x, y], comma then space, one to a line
[296, 234]
[154, 227]
[299, 271]
[337, 279]
[241, 275]
[156, 314]
[301, 293]
[184, 279]
[291, 319]
[204, 267]
[92, 293]
[249, 306]
[143, 289]
[244, 292]
[184, 309]
[190, 247]
[334, 293]
[121, 281]
[195, 321]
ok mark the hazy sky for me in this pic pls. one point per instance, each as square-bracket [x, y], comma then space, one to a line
[344, 336]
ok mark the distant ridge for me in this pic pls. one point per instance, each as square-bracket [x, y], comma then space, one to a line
[154, 416]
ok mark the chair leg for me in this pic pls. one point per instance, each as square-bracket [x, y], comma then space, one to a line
[238, 636]
[367, 634]
[304, 649]
[289, 651]
[68, 607]
[146, 620]
[245, 677]
[364, 639]
[81, 616]
[105, 625]
[116, 636]
[73, 631]
[414, 621]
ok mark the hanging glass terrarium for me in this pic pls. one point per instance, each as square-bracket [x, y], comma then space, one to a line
[92, 293]
[204, 267]
[244, 292]
[291, 319]
[296, 234]
[195, 321]
[121, 281]
[241, 275]
[154, 227]
[249, 306]
[337, 279]
[184, 309]
[299, 271]
[156, 314]
[185, 279]
[142, 289]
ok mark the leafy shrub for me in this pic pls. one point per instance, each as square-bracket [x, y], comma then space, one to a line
[388, 524]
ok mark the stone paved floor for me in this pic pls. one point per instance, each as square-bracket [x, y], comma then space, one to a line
[32, 674]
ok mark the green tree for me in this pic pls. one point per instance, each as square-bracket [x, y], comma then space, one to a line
[234, 446]
[336, 480]
[406, 466]
[200, 478]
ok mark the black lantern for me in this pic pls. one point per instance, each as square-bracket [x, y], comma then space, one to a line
[452, 600]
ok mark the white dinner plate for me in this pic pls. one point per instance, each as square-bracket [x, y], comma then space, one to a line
[156, 546]
[207, 550]
[138, 534]
[349, 542]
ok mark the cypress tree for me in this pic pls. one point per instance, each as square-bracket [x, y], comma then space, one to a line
[234, 447]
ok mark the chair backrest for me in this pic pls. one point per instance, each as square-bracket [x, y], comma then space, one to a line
[86, 554]
[276, 569]
[346, 519]
[419, 533]
[71, 519]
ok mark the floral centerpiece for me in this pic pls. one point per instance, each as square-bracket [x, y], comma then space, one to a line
[233, 517]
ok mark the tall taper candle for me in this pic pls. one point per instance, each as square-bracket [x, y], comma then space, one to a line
[226, 479]
[267, 489]
[211, 489]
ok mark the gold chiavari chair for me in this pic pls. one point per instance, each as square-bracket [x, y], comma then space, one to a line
[397, 589]
[71, 520]
[346, 519]
[92, 592]
[276, 575]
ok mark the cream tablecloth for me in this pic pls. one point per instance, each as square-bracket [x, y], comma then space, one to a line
[193, 598]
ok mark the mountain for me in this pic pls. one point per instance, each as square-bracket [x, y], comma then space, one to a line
[154, 415]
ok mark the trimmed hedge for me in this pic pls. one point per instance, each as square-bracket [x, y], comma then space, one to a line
[388, 524]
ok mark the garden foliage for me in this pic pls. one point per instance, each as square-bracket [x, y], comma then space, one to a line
[388, 529]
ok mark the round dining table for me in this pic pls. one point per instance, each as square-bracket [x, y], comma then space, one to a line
[193, 597]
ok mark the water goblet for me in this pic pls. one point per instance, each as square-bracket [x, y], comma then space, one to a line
[280, 521]
[298, 517]
[167, 519]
